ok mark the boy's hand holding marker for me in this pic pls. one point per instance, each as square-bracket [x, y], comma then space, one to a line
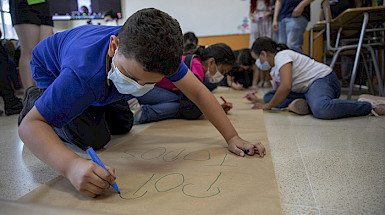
[88, 177]
[241, 147]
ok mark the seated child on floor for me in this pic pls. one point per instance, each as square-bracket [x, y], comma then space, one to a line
[304, 85]
[245, 73]
[165, 100]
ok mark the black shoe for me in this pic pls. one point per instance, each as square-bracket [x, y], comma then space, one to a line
[31, 94]
[15, 107]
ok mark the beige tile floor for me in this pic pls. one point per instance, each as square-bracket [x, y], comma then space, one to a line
[322, 167]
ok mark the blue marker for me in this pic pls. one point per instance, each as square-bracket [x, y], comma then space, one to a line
[247, 152]
[96, 159]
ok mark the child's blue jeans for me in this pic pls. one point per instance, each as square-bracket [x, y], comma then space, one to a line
[159, 104]
[323, 101]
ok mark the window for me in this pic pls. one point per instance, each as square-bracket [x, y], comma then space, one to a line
[8, 32]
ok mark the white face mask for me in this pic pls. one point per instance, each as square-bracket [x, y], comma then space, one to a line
[126, 85]
[264, 67]
[217, 77]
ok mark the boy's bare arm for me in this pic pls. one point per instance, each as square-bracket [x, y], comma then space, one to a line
[87, 177]
[210, 107]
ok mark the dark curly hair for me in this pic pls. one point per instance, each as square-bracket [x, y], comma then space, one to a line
[154, 39]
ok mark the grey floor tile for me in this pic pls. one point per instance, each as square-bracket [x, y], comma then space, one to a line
[345, 180]
[292, 179]
[282, 137]
[17, 182]
[342, 138]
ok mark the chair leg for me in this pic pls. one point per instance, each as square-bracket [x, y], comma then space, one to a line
[383, 61]
[353, 77]
[335, 56]
[377, 69]
[368, 74]
[363, 29]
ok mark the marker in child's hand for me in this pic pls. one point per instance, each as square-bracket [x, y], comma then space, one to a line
[229, 106]
[247, 152]
[250, 93]
[96, 159]
[223, 100]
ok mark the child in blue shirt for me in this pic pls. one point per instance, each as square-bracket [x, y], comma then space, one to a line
[84, 78]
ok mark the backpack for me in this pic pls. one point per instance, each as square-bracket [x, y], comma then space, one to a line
[187, 108]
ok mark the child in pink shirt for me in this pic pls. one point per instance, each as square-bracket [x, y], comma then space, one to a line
[165, 101]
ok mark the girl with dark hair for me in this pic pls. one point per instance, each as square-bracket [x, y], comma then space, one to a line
[245, 72]
[304, 85]
[209, 64]
[190, 38]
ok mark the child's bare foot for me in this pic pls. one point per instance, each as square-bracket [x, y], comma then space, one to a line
[299, 106]
[377, 102]
[378, 109]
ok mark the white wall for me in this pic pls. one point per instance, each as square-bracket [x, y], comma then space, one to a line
[315, 12]
[204, 17]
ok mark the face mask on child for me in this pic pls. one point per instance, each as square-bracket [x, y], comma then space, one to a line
[264, 67]
[126, 85]
[217, 77]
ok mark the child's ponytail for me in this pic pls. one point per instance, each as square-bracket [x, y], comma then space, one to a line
[281, 47]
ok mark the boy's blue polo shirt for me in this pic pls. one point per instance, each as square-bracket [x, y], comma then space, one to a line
[71, 67]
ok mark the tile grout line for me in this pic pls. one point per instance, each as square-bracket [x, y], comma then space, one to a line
[311, 187]
[307, 174]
